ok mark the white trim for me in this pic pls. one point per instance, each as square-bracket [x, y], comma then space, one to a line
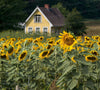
[47, 29]
[50, 29]
[25, 28]
[37, 8]
[35, 28]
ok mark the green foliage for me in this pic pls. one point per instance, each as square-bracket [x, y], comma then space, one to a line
[61, 8]
[73, 20]
[74, 23]
[87, 8]
[81, 75]
[12, 13]
[34, 73]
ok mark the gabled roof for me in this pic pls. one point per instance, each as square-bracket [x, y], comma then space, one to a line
[53, 16]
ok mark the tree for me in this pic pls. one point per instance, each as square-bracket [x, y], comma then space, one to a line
[61, 8]
[11, 13]
[74, 22]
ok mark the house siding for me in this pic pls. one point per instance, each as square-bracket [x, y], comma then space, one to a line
[44, 23]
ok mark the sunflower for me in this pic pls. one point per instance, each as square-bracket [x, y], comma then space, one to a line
[2, 51]
[35, 47]
[18, 49]
[51, 51]
[95, 37]
[4, 56]
[18, 38]
[30, 40]
[73, 59]
[87, 38]
[94, 52]
[82, 49]
[51, 42]
[10, 50]
[68, 49]
[2, 39]
[18, 43]
[22, 55]
[89, 45]
[43, 54]
[98, 43]
[67, 40]
[36, 40]
[5, 45]
[79, 38]
[41, 38]
[48, 46]
[91, 58]
[21, 40]
[57, 42]
[12, 39]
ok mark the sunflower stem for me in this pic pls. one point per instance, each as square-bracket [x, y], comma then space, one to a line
[55, 62]
[83, 83]
[97, 76]
[17, 73]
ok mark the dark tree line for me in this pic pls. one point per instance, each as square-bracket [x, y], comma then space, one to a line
[87, 8]
[11, 13]
[14, 11]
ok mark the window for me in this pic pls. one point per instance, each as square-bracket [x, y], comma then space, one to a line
[45, 30]
[37, 30]
[30, 30]
[37, 18]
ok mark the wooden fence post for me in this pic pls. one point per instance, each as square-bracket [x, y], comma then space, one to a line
[17, 87]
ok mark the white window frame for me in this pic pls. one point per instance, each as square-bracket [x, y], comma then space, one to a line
[29, 31]
[37, 16]
[43, 29]
[36, 28]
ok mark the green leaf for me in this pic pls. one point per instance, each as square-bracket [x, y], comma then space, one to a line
[10, 77]
[73, 84]
[64, 64]
[12, 72]
[16, 79]
[60, 80]
[68, 69]
[40, 76]
[33, 85]
[9, 69]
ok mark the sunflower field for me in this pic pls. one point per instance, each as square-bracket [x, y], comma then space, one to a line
[68, 63]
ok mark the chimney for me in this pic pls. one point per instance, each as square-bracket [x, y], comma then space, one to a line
[46, 6]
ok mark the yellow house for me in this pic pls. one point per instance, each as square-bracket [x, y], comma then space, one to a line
[44, 20]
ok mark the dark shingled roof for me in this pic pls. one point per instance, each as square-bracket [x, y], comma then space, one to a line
[54, 16]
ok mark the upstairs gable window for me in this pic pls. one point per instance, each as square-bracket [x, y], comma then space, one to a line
[37, 18]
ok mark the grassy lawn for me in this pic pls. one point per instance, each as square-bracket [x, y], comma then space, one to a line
[93, 27]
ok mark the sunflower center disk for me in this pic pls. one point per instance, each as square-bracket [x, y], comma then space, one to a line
[10, 50]
[44, 53]
[69, 40]
[23, 55]
[3, 57]
[91, 58]
[94, 53]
